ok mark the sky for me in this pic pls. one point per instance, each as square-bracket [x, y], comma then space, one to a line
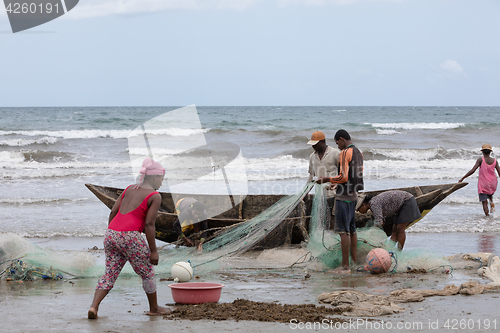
[256, 52]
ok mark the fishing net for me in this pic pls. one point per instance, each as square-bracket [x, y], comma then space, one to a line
[243, 236]
[324, 244]
[418, 260]
[22, 260]
[323, 247]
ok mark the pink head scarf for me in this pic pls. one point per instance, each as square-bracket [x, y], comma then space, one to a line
[150, 167]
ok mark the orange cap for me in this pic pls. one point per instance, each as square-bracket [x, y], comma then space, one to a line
[316, 137]
[486, 147]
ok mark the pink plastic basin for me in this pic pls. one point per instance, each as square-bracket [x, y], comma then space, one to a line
[196, 292]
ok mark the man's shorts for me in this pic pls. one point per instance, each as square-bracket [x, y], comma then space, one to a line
[345, 217]
[484, 197]
[408, 212]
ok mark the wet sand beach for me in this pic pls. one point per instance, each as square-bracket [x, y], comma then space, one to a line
[44, 306]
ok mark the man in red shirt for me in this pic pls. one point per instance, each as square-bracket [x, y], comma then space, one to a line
[349, 182]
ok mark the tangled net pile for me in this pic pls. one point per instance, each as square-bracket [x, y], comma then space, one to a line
[324, 244]
[242, 237]
[19, 270]
[20, 260]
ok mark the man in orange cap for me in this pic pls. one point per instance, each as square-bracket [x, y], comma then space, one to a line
[323, 163]
[487, 181]
[324, 160]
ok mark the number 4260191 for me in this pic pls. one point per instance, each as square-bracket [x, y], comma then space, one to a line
[32, 8]
[470, 324]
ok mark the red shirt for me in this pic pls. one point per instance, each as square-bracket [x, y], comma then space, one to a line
[132, 221]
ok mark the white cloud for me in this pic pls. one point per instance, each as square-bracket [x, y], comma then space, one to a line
[93, 8]
[326, 2]
[448, 69]
[451, 67]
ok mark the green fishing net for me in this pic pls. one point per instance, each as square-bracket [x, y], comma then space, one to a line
[20, 260]
[324, 244]
[241, 237]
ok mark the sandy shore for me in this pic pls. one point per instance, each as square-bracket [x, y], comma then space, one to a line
[45, 306]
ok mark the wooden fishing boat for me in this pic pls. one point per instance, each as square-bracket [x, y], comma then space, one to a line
[292, 230]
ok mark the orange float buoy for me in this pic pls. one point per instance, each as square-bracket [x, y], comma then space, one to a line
[378, 261]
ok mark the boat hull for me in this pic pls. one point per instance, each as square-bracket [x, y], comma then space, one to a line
[292, 230]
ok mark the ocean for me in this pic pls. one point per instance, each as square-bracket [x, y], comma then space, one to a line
[47, 155]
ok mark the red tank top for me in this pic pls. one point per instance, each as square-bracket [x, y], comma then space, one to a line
[134, 220]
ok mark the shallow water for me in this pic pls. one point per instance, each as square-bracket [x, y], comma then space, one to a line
[45, 162]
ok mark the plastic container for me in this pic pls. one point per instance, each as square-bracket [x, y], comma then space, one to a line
[196, 292]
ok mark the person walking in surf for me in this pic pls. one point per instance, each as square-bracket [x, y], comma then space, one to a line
[487, 182]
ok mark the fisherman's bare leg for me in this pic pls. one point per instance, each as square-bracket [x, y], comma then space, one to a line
[402, 235]
[399, 234]
[345, 244]
[354, 247]
[395, 233]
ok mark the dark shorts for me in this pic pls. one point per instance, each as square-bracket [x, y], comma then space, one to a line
[409, 212]
[345, 220]
[484, 197]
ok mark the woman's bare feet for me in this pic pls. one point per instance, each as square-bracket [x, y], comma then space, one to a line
[160, 311]
[92, 313]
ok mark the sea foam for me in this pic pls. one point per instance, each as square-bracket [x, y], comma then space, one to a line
[26, 142]
[114, 134]
[411, 126]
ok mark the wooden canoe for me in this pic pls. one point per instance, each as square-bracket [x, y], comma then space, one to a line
[293, 230]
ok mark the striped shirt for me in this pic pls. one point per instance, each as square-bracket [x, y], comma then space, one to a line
[387, 204]
[350, 178]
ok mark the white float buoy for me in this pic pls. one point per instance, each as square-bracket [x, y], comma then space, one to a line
[182, 271]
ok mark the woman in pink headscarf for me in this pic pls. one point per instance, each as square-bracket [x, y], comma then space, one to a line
[133, 213]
